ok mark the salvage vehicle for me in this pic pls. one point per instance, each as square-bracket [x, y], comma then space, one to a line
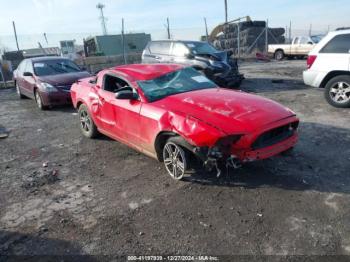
[216, 65]
[300, 47]
[329, 68]
[47, 80]
[174, 114]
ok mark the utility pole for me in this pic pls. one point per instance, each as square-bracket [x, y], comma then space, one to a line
[14, 30]
[226, 13]
[290, 32]
[310, 30]
[168, 27]
[267, 37]
[123, 41]
[206, 29]
[45, 36]
[103, 19]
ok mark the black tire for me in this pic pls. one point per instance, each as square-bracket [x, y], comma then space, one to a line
[337, 91]
[279, 55]
[87, 125]
[175, 158]
[18, 91]
[39, 101]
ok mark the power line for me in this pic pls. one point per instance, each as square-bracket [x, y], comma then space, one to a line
[103, 19]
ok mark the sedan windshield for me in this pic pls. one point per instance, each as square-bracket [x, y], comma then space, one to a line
[181, 81]
[55, 67]
[198, 48]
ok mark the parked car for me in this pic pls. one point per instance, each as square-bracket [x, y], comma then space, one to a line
[47, 80]
[300, 47]
[174, 114]
[216, 65]
[329, 68]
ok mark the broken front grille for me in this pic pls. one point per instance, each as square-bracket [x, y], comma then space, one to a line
[275, 136]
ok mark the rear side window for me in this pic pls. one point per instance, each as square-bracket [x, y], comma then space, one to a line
[180, 49]
[340, 44]
[29, 67]
[162, 48]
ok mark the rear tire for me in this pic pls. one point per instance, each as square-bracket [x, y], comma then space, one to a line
[18, 91]
[87, 125]
[337, 91]
[279, 55]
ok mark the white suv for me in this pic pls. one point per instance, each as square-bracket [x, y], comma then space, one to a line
[329, 68]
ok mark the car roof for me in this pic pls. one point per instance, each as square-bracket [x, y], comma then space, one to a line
[144, 72]
[340, 32]
[179, 41]
[46, 58]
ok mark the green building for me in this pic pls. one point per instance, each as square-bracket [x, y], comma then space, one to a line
[109, 45]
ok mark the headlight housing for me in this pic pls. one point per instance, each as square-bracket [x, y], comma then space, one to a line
[217, 64]
[48, 87]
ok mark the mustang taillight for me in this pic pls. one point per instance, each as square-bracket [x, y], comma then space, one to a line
[310, 60]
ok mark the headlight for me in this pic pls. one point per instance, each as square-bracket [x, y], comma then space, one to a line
[48, 88]
[216, 63]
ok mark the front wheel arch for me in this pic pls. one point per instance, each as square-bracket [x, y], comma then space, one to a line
[164, 136]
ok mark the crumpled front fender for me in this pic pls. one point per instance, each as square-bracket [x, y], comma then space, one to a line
[196, 132]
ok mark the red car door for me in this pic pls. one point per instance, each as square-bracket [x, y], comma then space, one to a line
[120, 118]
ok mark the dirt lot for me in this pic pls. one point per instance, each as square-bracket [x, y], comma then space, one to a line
[63, 194]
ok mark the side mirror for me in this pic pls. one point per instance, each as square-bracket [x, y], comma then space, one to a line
[27, 74]
[190, 56]
[126, 95]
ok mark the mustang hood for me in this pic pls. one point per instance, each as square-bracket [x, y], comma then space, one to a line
[228, 110]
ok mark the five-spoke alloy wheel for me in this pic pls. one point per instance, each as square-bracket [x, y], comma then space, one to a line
[174, 160]
[337, 91]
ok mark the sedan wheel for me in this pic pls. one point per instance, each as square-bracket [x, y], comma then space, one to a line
[337, 91]
[174, 160]
[39, 101]
[18, 91]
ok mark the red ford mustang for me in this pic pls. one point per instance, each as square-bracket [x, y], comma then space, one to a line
[173, 113]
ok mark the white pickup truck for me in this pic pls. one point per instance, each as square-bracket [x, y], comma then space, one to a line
[300, 47]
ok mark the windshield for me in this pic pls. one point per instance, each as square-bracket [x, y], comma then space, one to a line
[55, 67]
[201, 48]
[181, 81]
[316, 38]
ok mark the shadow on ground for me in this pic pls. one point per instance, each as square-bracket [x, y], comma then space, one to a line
[262, 85]
[23, 247]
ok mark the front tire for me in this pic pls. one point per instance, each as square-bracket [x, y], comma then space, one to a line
[39, 101]
[175, 159]
[337, 91]
[279, 55]
[87, 125]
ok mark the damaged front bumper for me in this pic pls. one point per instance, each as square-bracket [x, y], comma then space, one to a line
[223, 156]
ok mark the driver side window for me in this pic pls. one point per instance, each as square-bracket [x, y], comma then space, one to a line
[113, 84]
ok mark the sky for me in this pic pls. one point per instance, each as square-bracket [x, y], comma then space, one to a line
[76, 19]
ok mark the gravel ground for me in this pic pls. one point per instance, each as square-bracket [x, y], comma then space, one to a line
[62, 194]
